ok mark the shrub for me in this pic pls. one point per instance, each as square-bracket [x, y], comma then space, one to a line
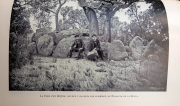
[18, 52]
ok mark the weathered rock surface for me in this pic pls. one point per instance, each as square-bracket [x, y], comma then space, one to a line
[153, 49]
[54, 37]
[117, 51]
[36, 37]
[117, 56]
[149, 49]
[104, 46]
[137, 47]
[40, 32]
[32, 48]
[159, 50]
[114, 51]
[154, 58]
[128, 49]
[29, 37]
[45, 45]
[43, 30]
[99, 64]
[63, 46]
[67, 33]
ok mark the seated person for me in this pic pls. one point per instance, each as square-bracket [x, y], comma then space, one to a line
[94, 48]
[77, 46]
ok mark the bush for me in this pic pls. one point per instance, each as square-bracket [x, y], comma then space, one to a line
[18, 52]
[154, 72]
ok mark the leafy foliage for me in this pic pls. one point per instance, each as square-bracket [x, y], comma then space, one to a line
[107, 8]
[150, 24]
[72, 19]
[19, 20]
[78, 17]
[19, 28]
[44, 9]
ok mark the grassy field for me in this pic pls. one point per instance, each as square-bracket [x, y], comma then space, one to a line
[55, 74]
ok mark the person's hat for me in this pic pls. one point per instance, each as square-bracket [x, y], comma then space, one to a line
[93, 35]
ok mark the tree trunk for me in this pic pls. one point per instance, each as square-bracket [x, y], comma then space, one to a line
[93, 22]
[108, 28]
[56, 16]
[56, 20]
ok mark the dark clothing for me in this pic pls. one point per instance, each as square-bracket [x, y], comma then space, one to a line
[100, 53]
[96, 44]
[76, 50]
[78, 43]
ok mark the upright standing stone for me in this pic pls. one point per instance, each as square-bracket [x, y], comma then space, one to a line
[117, 51]
[137, 47]
[45, 45]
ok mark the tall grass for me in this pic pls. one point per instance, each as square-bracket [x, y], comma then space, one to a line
[18, 52]
[82, 75]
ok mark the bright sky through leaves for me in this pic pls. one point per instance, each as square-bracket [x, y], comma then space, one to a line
[120, 13]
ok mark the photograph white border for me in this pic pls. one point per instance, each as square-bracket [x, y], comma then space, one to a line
[170, 97]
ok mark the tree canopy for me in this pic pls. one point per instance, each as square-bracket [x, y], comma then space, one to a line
[98, 16]
[44, 9]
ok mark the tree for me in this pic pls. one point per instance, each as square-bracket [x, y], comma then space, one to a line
[107, 8]
[43, 20]
[127, 32]
[48, 6]
[115, 23]
[19, 28]
[135, 15]
[63, 23]
[101, 21]
[78, 17]
[65, 10]
[150, 24]
[19, 19]
[73, 18]
[158, 11]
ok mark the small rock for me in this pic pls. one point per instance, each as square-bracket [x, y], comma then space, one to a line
[40, 67]
[110, 73]
[51, 65]
[112, 61]
[31, 62]
[100, 70]
[87, 74]
[87, 69]
[99, 64]
[130, 58]
[110, 84]
[54, 60]
[126, 59]
[48, 75]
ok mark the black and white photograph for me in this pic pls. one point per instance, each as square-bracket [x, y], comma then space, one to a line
[88, 45]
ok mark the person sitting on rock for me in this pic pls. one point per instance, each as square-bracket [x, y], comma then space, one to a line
[94, 48]
[77, 46]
